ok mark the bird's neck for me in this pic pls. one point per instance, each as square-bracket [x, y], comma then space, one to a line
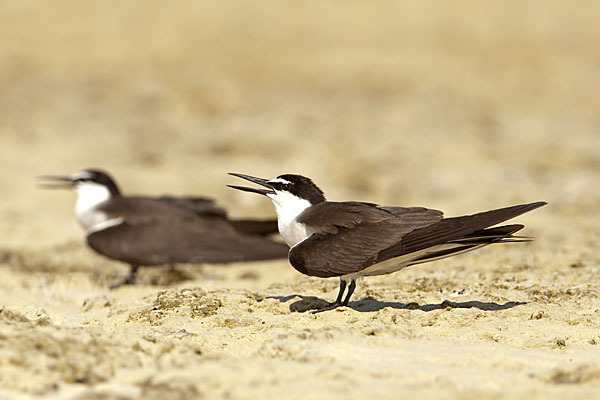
[89, 197]
[287, 210]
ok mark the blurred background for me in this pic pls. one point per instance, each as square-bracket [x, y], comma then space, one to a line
[460, 106]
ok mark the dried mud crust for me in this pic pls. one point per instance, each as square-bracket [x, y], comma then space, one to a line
[38, 356]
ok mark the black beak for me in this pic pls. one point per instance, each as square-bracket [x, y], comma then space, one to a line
[260, 181]
[56, 182]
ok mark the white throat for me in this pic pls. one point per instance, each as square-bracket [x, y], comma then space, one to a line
[288, 207]
[89, 196]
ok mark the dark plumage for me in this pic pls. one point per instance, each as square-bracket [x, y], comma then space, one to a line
[376, 234]
[153, 232]
[205, 207]
[147, 231]
[354, 239]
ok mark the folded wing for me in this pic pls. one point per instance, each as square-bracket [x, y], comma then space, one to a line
[153, 233]
[360, 241]
[349, 236]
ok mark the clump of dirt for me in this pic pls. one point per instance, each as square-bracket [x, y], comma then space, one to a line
[31, 319]
[60, 355]
[183, 303]
[178, 388]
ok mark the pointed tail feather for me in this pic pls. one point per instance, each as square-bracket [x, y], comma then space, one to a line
[501, 234]
[490, 234]
[458, 227]
[455, 229]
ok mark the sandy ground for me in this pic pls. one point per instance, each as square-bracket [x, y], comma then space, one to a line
[456, 106]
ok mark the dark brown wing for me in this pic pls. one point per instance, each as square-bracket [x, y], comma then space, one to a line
[351, 250]
[454, 228]
[353, 240]
[203, 206]
[153, 232]
[198, 205]
[328, 217]
[254, 226]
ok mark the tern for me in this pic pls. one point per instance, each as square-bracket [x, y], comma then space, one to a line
[353, 239]
[149, 231]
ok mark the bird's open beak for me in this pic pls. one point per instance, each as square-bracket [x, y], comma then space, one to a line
[260, 181]
[55, 182]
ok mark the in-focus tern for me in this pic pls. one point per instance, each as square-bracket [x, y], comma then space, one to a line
[353, 239]
[147, 231]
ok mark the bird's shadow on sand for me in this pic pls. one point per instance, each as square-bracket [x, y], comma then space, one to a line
[369, 304]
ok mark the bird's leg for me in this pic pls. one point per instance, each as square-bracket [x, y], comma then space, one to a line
[129, 279]
[341, 292]
[338, 301]
[350, 291]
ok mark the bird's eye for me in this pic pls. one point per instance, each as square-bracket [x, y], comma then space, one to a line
[281, 186]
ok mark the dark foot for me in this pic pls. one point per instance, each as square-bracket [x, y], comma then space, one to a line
[338, 302]
[330, 306]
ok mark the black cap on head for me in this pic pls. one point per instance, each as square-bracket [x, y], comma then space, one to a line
[87, 175]
[97, 176]
[299, 186]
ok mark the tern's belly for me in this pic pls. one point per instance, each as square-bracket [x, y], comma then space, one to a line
[385, 267]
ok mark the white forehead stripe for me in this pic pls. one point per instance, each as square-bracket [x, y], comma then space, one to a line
[279, 180]
[81, 175]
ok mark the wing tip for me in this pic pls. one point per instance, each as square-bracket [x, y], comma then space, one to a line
[538, 204]
[523, 208]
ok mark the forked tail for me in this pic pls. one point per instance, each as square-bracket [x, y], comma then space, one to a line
[500, 234]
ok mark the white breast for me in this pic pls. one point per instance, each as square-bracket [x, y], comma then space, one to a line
[89, 196]
[292, 232]
[288, 207]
